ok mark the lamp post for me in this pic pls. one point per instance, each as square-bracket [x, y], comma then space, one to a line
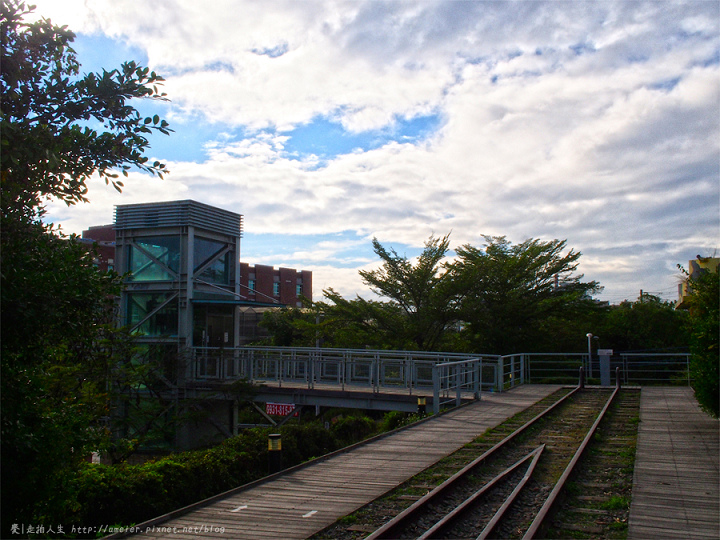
[590, 337]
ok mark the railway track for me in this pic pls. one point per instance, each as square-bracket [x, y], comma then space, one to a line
[513, 488]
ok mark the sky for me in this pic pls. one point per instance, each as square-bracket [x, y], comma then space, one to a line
[329, 123]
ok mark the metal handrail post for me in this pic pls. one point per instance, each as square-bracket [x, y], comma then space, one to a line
[411, 375]
[512, 371]
[373, 373]
[378, 367]
[458, 383]
[251, 362]
[500, 374]
[311, 361]
[436, 388]
[344, 365]
[477, 373]
[529, 369]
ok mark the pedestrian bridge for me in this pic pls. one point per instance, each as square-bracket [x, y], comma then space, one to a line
[375, 376]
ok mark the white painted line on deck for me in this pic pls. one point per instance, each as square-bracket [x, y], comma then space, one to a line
[310, 514]
[243, 507]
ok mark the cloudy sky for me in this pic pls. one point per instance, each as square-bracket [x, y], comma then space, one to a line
[328, 123]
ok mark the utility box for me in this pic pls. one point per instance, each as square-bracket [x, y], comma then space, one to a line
[605, 355]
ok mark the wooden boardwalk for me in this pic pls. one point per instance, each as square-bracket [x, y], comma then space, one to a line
[306, 499]
[676, 491]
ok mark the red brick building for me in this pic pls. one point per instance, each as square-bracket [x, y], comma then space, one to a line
[265, 284]
[103, 236]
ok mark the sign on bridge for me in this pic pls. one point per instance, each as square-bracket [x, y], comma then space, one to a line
[280, 409]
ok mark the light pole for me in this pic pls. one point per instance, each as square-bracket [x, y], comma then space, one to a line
[590, 337]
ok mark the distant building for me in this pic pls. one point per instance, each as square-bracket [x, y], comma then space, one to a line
[695, 269]
[103, 237]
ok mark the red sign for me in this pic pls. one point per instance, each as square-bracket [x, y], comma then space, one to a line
[280, 409]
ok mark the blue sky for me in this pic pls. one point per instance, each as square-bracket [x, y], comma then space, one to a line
[329, 123]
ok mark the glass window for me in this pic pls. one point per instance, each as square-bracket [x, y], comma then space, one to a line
[162, 323]
[251, 284]
[298, 289]
[219, 269]
[165, 249]
[276, 289]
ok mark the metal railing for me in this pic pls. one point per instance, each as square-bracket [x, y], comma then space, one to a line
[447, 375]
[375, 369]
[635, 368]
[653, 369]
[452, 379]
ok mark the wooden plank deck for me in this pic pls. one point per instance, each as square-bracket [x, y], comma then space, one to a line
[676, 484]
[307, 499]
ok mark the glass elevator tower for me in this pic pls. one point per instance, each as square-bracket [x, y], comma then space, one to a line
[183, 281]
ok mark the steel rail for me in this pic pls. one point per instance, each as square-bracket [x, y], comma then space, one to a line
[493, 523]
[552, 499]
[437, 530]
[391, 528]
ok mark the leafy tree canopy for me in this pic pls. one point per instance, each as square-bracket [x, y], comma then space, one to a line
[510, 289]
[60, 345]
[59, 127]
[423, 291]
[648, 324]
[499, 299]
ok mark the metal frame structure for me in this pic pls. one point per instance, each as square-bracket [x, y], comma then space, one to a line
[174, 252]
[450, 376]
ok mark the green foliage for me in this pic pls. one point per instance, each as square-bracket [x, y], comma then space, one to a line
[648, 324]
[290, 327]
[393, 420]
[49, 144]
[360, 323]
[499, 299]
[616, 502]
[416, 316]
[396, 419]
[352, 428]
[704, 323]
[511, 290]
[421, 291]
[126, 494]
[59, 346]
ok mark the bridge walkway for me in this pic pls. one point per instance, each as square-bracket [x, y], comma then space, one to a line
[676, 483]
[306, 499]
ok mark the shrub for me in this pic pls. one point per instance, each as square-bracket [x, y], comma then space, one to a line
[126, 494]
[353, 428]
[704, 322]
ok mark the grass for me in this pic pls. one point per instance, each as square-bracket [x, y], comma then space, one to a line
[616, 502]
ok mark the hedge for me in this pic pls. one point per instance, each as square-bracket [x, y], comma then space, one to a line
[123, 495]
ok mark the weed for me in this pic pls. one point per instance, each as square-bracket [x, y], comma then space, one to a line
[616, 502]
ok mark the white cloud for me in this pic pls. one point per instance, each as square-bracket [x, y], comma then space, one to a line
[595, 122]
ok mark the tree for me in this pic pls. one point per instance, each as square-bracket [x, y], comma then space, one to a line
[704, 322]
[59, 341]
[59, 344]
[361, 323]
[648, 324]
[59, 128]
[288, 326]
[423, 291]
[511, 291]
